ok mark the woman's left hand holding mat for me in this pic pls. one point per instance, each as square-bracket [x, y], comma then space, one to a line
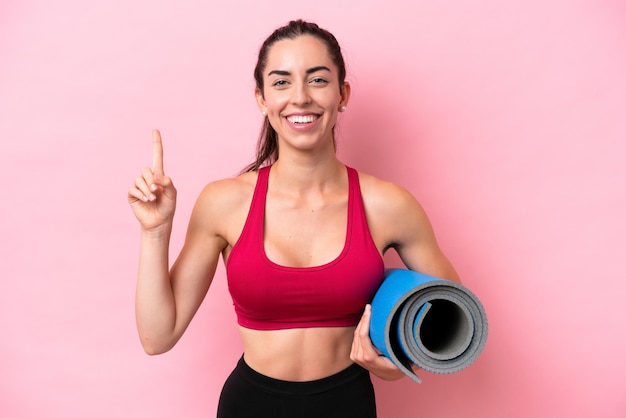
[366, 355]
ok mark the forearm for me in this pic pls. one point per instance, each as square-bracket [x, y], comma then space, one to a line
[155, 306]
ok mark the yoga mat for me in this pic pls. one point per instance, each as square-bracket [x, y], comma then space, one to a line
[436, 324]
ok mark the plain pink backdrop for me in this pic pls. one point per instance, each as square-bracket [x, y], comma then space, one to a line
[506, 119]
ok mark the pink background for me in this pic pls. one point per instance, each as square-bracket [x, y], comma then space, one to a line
[507, 119]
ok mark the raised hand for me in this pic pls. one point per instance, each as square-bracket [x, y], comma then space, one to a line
[153, 196]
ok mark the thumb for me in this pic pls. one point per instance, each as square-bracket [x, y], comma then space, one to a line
[167, 185]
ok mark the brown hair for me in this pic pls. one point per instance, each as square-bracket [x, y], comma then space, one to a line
[267, 146]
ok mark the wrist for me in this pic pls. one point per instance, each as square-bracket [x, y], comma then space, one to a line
[159, 232]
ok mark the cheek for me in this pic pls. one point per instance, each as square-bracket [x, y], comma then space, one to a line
[329, 100]
[275, 101]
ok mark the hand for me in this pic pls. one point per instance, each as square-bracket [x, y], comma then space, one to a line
[153, 196]
[365, 354]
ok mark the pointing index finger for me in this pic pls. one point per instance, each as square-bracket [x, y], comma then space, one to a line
[157, 154]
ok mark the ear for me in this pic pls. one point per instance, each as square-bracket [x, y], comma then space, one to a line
[260, 100]
[345, 94]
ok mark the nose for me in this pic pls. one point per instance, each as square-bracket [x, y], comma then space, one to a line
[300, 94]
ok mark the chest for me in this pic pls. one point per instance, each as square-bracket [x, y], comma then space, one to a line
[304, 233]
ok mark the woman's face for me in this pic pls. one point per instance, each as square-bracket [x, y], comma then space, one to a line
[301, 94]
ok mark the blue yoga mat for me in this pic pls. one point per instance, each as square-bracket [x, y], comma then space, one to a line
[438, 325]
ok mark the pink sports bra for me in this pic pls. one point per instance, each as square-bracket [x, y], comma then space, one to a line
[268, 296]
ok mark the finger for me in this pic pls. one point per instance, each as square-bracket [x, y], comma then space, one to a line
[355, 350]
[361, 340]
[157, 154]
[364, 324]
[142, 186]
[134, 195]
[149, 179]
[148, 176]
[360, 332]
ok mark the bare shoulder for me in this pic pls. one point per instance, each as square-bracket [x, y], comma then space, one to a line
[222, 205]
[397, 220]
[229, 191]
[384, 197]
[394, 215]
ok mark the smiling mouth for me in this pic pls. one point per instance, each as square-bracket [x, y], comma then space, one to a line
[302, 119]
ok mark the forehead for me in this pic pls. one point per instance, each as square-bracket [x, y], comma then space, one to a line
[296, 54]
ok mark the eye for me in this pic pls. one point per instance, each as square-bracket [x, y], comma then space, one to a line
[279, 83]
[318, 81]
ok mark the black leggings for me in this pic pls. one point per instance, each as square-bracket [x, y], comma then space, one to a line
[347, 394]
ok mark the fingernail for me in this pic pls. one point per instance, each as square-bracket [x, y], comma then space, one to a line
[152, 197]
[153, 187]
[145, 199]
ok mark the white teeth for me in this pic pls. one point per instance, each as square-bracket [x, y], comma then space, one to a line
[302, 119]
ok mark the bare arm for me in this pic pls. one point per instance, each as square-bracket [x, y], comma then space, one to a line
[165, 301]
[397, 221]
[412, 236]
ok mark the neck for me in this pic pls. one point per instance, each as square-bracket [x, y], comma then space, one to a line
[307, 176]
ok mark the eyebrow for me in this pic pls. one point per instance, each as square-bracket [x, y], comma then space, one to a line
[309, 71]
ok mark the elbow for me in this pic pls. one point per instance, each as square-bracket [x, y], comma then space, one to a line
[153, 348]
[153, 351]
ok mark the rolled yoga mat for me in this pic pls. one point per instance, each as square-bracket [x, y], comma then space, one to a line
[436, 324]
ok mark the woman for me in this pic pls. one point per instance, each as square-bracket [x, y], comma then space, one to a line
[302, 237]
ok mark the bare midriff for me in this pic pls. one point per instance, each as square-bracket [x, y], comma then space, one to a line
[298, 354]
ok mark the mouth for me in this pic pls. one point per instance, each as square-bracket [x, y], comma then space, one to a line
[302, 119]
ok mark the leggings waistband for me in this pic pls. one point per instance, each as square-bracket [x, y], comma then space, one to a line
[285, 387]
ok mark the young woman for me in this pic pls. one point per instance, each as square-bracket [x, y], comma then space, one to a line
[302, 237]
